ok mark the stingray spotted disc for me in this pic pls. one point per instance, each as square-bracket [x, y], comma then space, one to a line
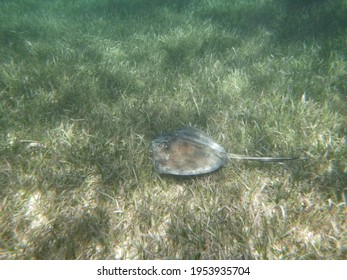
[190, 151]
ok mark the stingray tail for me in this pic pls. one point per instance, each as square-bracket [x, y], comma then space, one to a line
[264, 159]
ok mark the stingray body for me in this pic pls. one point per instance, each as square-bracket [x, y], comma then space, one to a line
[190, 151]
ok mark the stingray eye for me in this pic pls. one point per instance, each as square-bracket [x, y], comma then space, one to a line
[163, 146]
[166, 146]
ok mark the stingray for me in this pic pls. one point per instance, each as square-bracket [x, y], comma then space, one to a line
[190, 151]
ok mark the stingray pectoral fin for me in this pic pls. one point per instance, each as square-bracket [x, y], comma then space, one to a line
[264, 159]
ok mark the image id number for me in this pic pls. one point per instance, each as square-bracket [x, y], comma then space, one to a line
[230, 270]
